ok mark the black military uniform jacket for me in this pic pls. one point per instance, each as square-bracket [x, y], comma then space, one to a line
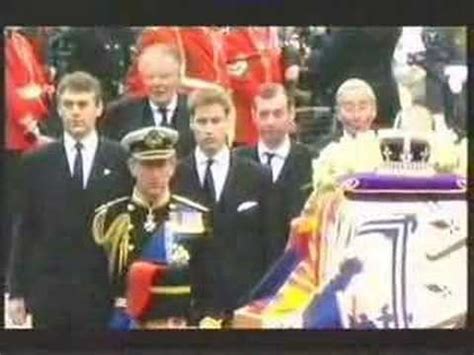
[126, 226]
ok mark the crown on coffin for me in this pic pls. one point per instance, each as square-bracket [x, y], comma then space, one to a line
[404, 152]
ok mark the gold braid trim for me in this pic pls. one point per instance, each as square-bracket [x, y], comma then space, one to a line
[115, 240]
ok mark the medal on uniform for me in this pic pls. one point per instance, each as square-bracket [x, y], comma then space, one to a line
[150, 224]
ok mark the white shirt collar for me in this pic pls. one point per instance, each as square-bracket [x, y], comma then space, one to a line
[219, 169]
[89, 142]
[281, 152]
[170, 108]
[89, 148]
[220, 158]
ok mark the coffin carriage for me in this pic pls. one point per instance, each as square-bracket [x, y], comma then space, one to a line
[381, 243]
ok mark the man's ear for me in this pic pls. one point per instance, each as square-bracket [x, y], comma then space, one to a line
[100, 108]
[374, 116]
[59, 110]
[231, 117]
[132, 166]
[253, 112]
[292, 112]
[173, 164]
[337, 114]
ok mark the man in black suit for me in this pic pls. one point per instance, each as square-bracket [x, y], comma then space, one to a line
[159, 66]
[288, 160]
[57, 273]
[237, 191]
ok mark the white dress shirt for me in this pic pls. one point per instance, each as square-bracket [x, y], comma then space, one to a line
[219, 169]
[280, 155]
[89, 148]
[170, 109]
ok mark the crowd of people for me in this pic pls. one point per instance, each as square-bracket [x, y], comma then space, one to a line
[191, 132]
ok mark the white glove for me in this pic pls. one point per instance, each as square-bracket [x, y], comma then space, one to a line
[17, 310]
[457, 75]
[179, 255]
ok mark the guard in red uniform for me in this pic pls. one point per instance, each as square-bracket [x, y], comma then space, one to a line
[205, 57]
[26, 91]
[253, 57]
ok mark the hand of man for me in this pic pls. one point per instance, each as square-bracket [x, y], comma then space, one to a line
[42, 139]
[17, 310]
[292, 73]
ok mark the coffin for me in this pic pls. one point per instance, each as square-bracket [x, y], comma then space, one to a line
[385, 249]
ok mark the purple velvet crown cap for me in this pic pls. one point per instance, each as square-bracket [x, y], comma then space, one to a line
[380, 183]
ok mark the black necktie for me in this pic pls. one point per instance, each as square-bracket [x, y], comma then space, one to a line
[77, 173]
[164, 117]
[268, 163]
[209, 183]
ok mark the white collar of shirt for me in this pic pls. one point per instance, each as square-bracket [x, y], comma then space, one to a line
[348, 135]
[89, 147]
[170, 109]
[219, 168]
[281, 153]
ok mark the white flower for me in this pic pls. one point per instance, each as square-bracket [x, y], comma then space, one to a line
[348, 156]
[462, 157]
[444, 153]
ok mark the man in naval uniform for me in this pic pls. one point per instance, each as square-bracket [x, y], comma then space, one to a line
[150, 238]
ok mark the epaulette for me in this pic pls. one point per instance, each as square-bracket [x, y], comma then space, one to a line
[109, 204]
[114, 237]
[190, 203]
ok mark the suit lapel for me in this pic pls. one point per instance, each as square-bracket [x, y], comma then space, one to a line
[146, 114]
[59, 155]
[195, 183]
[180, 107]
[60, 180]
[254, 154]
[287, 165]
[144, 111]
[226, 194]
[249, 153]
[190, 184]
[97, 165]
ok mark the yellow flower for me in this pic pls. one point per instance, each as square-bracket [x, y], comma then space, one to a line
[210, 323]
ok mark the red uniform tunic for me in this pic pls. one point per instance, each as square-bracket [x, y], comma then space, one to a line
[253, 58]
[205, 58]
[25, 84]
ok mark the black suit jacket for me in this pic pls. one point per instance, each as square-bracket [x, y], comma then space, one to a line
[290, 190]
[237, 254]
[128, 114]
[55, 262]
